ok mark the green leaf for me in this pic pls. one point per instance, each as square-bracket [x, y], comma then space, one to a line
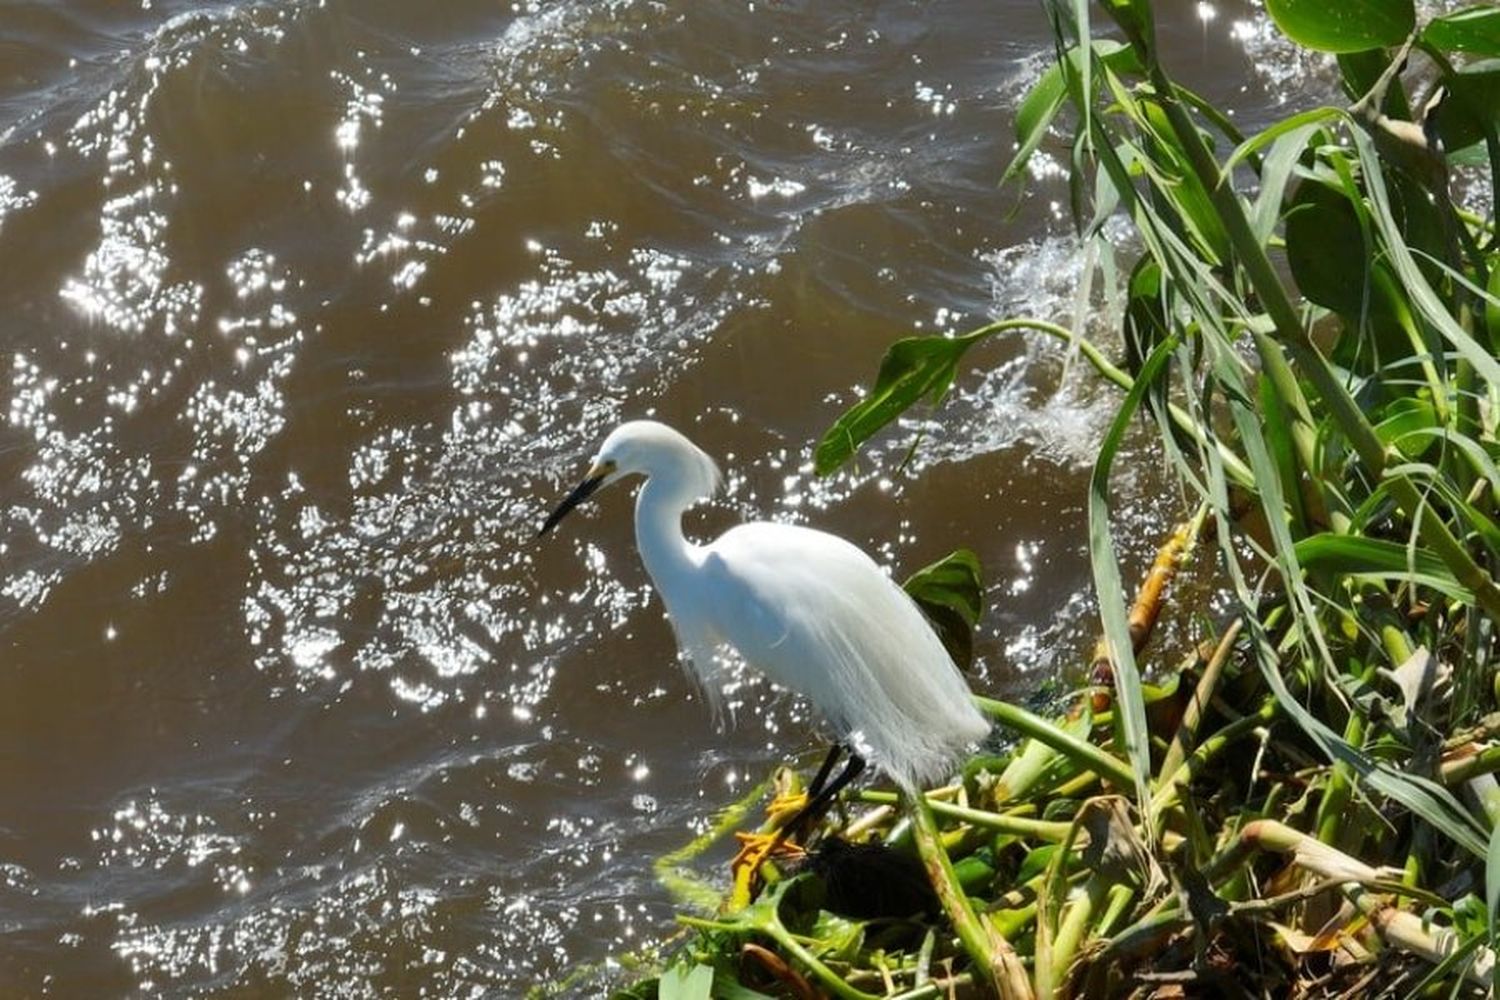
[1492, 893]
[645, 989]
[1325, 246]
[1145, 315]
[1470, 109]
[1040, 106]
[1425, 798]
[1110, 588]
[914, 369]
[1418, 291]
[683, 983]
[1178, 184]
[950, 593]
[1403, 422]
[726, 987]
[1492, 880]
[954, 581]
[1474, 29]
[1354, 555]
[1492, 304]
[1134, 17]
[1288, 141]
[1283, 451]
[1278, 131]
[1345, 25]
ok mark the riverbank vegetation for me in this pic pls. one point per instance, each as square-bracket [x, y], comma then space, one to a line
[1306, 807]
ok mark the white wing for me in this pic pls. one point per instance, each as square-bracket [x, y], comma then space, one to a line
[816, 615]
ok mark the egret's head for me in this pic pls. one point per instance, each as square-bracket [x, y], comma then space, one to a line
[647, 448]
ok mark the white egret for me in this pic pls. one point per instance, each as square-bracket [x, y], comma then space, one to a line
[806, 608]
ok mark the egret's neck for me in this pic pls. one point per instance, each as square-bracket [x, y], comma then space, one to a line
[669, 557]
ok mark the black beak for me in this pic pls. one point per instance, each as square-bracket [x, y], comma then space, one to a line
[582, 492]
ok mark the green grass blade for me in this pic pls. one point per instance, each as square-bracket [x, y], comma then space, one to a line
[1374, 558]
[1113, 602]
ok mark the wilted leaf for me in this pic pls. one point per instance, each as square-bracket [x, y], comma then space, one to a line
[1418, 678]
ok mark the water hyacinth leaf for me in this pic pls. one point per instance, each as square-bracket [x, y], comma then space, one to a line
[1325, 247]
[1403, 424]
[1362, 71]
[1346, 26]
[1474, 29]
[1405, 415]
[1375, 558]
[950, 593]
[1470, 109]
[954, 581]
[914, 369]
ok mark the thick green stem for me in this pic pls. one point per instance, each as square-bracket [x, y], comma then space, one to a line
[1021, 826]
[1456, 772]
[1234, 466]
[1192, 716]
[990, 953]
[1073, 926]
[1080, 751]
[1209, 749]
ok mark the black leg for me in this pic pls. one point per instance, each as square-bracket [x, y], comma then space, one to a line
[825, 769]
[851, 771]
[818, 803]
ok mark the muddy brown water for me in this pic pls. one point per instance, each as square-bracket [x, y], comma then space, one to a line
[311, 309]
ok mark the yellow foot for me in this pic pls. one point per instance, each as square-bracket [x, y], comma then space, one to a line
[755, 849]
[781, 809]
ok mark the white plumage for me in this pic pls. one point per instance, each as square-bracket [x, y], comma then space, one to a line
[806, 608]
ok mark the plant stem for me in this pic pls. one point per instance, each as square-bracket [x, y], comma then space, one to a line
[1080, 751]
[1022, 826]
[995, 962]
